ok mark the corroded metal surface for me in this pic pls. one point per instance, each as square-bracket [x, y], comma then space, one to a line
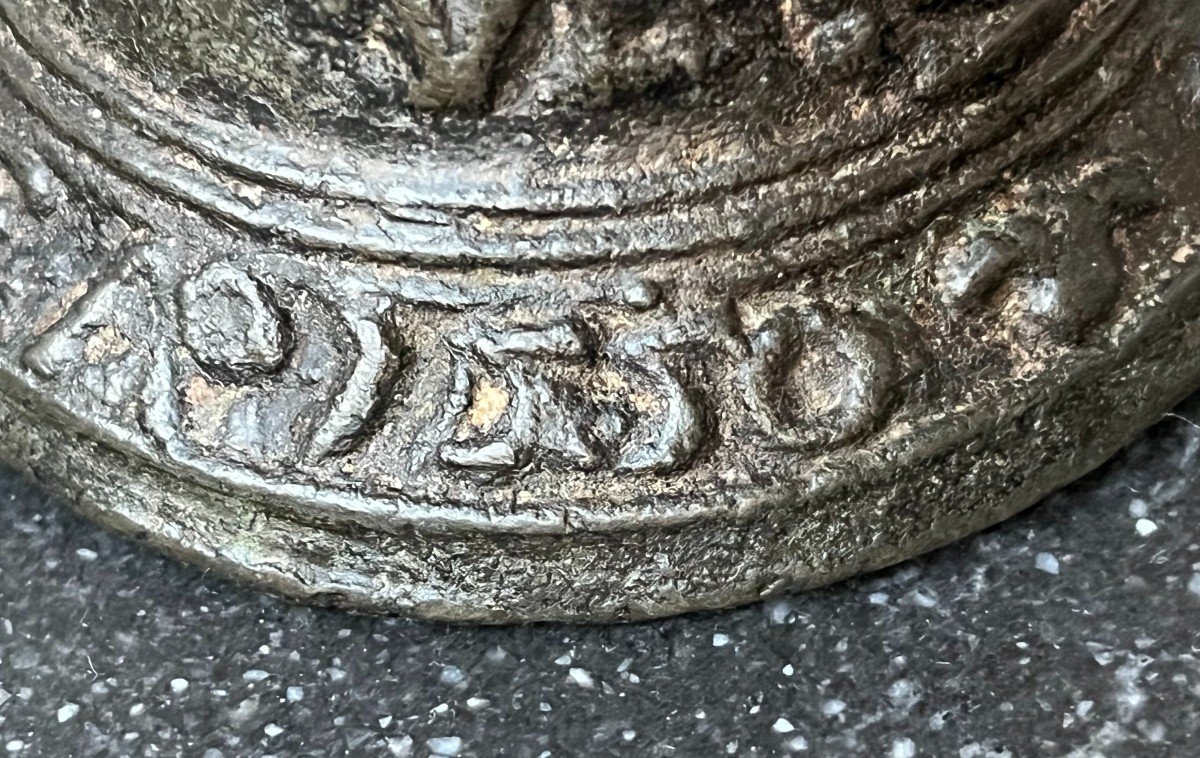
[528, 309]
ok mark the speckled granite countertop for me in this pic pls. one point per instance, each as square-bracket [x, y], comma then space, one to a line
[1069, 631]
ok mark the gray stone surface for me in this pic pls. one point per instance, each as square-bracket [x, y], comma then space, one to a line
[1068, 631]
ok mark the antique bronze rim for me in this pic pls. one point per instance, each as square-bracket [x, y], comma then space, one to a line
[554, 351]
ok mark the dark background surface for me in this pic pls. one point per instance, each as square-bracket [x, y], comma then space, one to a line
[1068, 631]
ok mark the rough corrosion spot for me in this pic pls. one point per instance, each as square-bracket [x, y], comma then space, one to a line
[209, 406]
[106, 342]
[56, 314]
[489, 401]
[646, 402]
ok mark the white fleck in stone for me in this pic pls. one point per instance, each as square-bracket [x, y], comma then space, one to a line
[67, 712]
[1130, 695]
[14, 746]
[903, 693]
[137, 709]
[903, 747]
[780, 612]
[1138, 508]
[564, 660]
[720, 640]
[478, 703]
[179, 686]
[1153, 730]
[295, 694]
[1145, 527]
[1193, 584]
[878, 598]
[923, 599]
[797, 744]
[264, 649]
[544, 707]
[629, 735]
[273, 730]
[782, 726]
[789, 669]
[400, 747]
[444, 746]
[254, 675]
[245, 711]
[336, 674]
[343, 634]
[385, 722]
[1046, 562]
[833, 707]
[86, 554]
[582, 678]
[625, 664]
[983, 750]
[452, 675]
[5, 696]
[440, 708]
